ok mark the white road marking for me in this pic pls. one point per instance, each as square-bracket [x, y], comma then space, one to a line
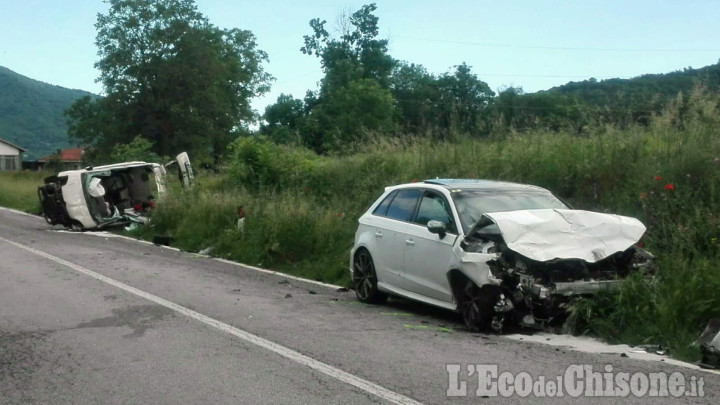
[283, 351]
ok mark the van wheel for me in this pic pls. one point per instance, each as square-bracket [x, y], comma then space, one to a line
[365, 279]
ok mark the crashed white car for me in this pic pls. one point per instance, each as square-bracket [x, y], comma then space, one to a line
[111, 195]
[496, 252]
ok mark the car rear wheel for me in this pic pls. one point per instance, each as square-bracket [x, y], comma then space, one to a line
[365, 279]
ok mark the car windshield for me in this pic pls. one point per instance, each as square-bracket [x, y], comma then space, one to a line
[472, 204]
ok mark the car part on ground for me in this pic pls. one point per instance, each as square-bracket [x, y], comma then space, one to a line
[495, 252]
[710, 345]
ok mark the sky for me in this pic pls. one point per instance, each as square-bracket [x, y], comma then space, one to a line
[534, 44]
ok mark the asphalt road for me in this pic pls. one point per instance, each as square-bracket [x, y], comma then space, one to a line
[98, 319]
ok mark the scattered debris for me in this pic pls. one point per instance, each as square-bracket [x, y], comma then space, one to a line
[283, 282]
[396, 313]
[288, 295]
[710, 345]
[241, 218]
[163, 240]
[312, 292]
[343, 289]
[655, 349]
[206, 251]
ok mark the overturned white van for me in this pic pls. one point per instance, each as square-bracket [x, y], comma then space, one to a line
[104, 196]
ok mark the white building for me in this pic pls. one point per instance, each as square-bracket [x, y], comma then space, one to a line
[10, 156]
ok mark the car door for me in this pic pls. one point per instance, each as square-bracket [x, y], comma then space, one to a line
[428, 255]
[389, 226]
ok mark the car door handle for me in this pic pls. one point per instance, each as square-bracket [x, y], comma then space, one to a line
[378, 234]
[409, 242]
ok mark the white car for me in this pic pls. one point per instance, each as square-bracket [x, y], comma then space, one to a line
[103, 196]
[494, 251]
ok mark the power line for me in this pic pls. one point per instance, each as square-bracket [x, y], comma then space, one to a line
[552, 76]
[556, 48]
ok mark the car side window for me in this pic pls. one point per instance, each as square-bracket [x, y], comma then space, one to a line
[433, 207]
[383, 207]
[403, 205]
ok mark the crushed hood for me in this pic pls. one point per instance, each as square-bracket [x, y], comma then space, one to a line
[548, 234]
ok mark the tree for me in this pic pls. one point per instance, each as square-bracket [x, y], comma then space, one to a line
[283, 119]
[356, 54]
[464, 100]
[348, 115]
[417, 95]
[547, 110]
[139, 149]
[354, 97]
[171, 77]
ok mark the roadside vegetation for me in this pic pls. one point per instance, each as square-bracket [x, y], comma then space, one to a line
[18, 190]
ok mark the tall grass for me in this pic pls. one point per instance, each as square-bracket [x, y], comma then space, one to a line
[19, 190]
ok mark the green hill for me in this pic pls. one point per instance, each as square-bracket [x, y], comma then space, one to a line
[31, 113]
[642, 95]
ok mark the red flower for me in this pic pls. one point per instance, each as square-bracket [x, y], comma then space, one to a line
[669, 186]
[307, 188]
[658, 178]
[643, 195]
[414, 181]
[339, 214]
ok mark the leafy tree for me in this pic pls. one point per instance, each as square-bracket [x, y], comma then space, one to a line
[548, 110]
[464, 100]
[354, 97]
[140, 149]
[283, 119]
[417, 95]
[356, 54]
[348, 115]
[171, 77]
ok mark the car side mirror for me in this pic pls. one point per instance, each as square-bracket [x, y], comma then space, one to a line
[437, 227]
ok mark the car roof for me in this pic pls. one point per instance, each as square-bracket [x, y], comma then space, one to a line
[484, 185]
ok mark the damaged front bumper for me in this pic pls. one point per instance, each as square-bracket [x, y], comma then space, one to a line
[569, 289]
[540, 260]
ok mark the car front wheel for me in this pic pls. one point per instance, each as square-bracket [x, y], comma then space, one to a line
[365, 279]
[476, 307]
